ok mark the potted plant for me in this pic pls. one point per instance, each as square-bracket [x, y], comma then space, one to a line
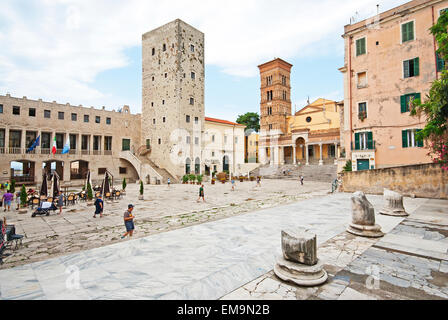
[140, 197]
[252, 178]
[192, 178]
[213, 180]
[184, 179]
[23, 200]
[199, 178]
[89, 195]
[241, 178]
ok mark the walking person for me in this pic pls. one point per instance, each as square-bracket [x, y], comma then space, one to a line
[201, 193]
[233, 184]
[129, 221]
[99, 206]
[7, 198]
[17, 200]
[60, 202]
[168, 181]
[258, 181]
[301, 180]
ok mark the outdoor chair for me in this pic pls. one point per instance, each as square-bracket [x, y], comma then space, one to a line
[97, 194]
[108, 195]
[71, 199]
[50, 199]
[13, 240]
[117, 195]
[34, 202]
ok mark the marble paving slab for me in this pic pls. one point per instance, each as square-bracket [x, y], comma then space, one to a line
[204, 261]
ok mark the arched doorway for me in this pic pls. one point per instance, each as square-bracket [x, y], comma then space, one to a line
[225, 164]
[22, 171]
[197, 166]
[50, 166]
[300, 150]
[187, 166]
[78, 169]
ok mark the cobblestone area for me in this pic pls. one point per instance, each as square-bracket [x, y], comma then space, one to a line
[164, 208]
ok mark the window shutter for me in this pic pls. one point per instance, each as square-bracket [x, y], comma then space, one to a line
[404, 33]
[411, 31]
[416, 67]
[369, 140]
[419, 142]
[403, 103]
[356, 141]
[363, 45]
[404, 135]
[406, 68]
[357, 48]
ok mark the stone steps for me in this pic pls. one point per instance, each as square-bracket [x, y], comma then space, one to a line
[323, 173]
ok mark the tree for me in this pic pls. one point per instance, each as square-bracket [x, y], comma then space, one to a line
[124, 184]
[141, 187]
[436, 105]
[251, 120]
[23, 196]
[89, 191]
[12, 188]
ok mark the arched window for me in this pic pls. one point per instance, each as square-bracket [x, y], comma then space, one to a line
[197, 166]
[225, 163]
[187, 166]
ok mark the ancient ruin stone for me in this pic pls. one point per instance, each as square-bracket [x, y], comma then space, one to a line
[299, 246]
[394, 204]
[363, 217]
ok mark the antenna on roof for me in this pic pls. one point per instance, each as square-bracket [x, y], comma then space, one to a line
[377, 9]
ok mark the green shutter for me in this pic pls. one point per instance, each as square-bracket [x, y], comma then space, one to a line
[404, 32]
[406, 69]
[411, 30]
[403, 103]
[404, 135]
[363, 45]
[356, 141]
[419, 142]
[357, 48]
[416, 67]
[369, 140]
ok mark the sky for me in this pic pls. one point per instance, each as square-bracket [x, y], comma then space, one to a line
[88, 52]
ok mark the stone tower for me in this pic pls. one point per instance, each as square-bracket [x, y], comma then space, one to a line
[275, 103]
[173, 95]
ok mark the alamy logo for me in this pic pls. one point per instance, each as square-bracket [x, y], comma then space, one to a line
[72, 281]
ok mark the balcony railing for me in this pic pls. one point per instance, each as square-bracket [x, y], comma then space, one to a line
[38, 150]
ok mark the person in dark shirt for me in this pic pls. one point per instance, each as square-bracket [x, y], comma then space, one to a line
[128, 221]
[99, 207]
[201, 193]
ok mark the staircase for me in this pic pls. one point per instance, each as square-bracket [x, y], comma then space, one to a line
[312, 172]
[164, 173]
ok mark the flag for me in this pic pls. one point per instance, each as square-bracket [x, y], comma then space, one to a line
[34, 145]
[53, 150]
[66, 146]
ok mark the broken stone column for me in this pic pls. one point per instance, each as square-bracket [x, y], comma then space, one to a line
[299, 263]
[394, 204]
[363, 217]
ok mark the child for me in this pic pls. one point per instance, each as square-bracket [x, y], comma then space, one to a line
[233, 184]
[18, 200]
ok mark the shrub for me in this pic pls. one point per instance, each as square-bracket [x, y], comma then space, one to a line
[199, 178]
[23, 196]
[348, 166]
[141, 187]
[89, 191]
[185, 179]
[124, 184]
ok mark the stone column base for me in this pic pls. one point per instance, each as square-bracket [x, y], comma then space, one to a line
[321, 162]
[394, 212]
[300, 274]
[365, 231]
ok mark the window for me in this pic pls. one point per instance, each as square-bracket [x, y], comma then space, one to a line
[153, 51]
[97, 119]
[409, 138]
[225, 139]
[152, 104]
[362, 110]
[126, 144]
[84, 142]
[122, 170]
[46, 137]
[86, 118]
[101, 170]
[16, 110]
[163, 101]
[74, 117]
[236, 140]
[107, 143]
[308, 119]
[166, 75]
[108, 120]
[270, 127]
[153, 121]
[363, 141]
[188, 140]
[213, 138]
[269, 110]
[407, 31]
[191, 101]
[31, 112]
[160, 141]
[196, 140]
[164, 47]
[284, 95]
[269, 80]
[193, 75]
[47, 114]
[148, 144]
[191, 48]
[59, 140]
[360, 46]
[187, 119]
[61, 115]
[284, 80]
[440, 62]
[362, 79]
[72, 138]
[163, 119]
[213, 153]
[406, 101]
[411, 68]
[269, 95]
[196, 120]
[1, 108]
[152, 78]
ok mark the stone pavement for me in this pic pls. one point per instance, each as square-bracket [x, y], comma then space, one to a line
[410, 262]
[208, 260]
[164, 208]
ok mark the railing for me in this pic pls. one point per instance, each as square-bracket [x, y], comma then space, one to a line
[14, 150]
[107, 152]
[45, 151]
[96, 152]
[2, 150]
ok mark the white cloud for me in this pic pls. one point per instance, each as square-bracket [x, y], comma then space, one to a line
[54, 49]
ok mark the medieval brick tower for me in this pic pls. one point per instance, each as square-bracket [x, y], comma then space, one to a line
[275, 103]
[173, 95]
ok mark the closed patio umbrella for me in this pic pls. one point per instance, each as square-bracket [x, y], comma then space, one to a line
[106, 184]
[44, 186]
[88, 180]
[56, 187]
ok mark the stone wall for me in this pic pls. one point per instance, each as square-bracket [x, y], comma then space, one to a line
[422, 180]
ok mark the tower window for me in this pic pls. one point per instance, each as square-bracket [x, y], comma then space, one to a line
[16, 110]
[163, 119]
[153, 121]
[152, 104]
[160, 141]
[191, 48]
[152, 78]
[31, 112]
[164, 47]
[192, 101]
[153, 51]
[187, 119]
[166, 74]
[193, 75]
[163, 101]
[196, 120]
